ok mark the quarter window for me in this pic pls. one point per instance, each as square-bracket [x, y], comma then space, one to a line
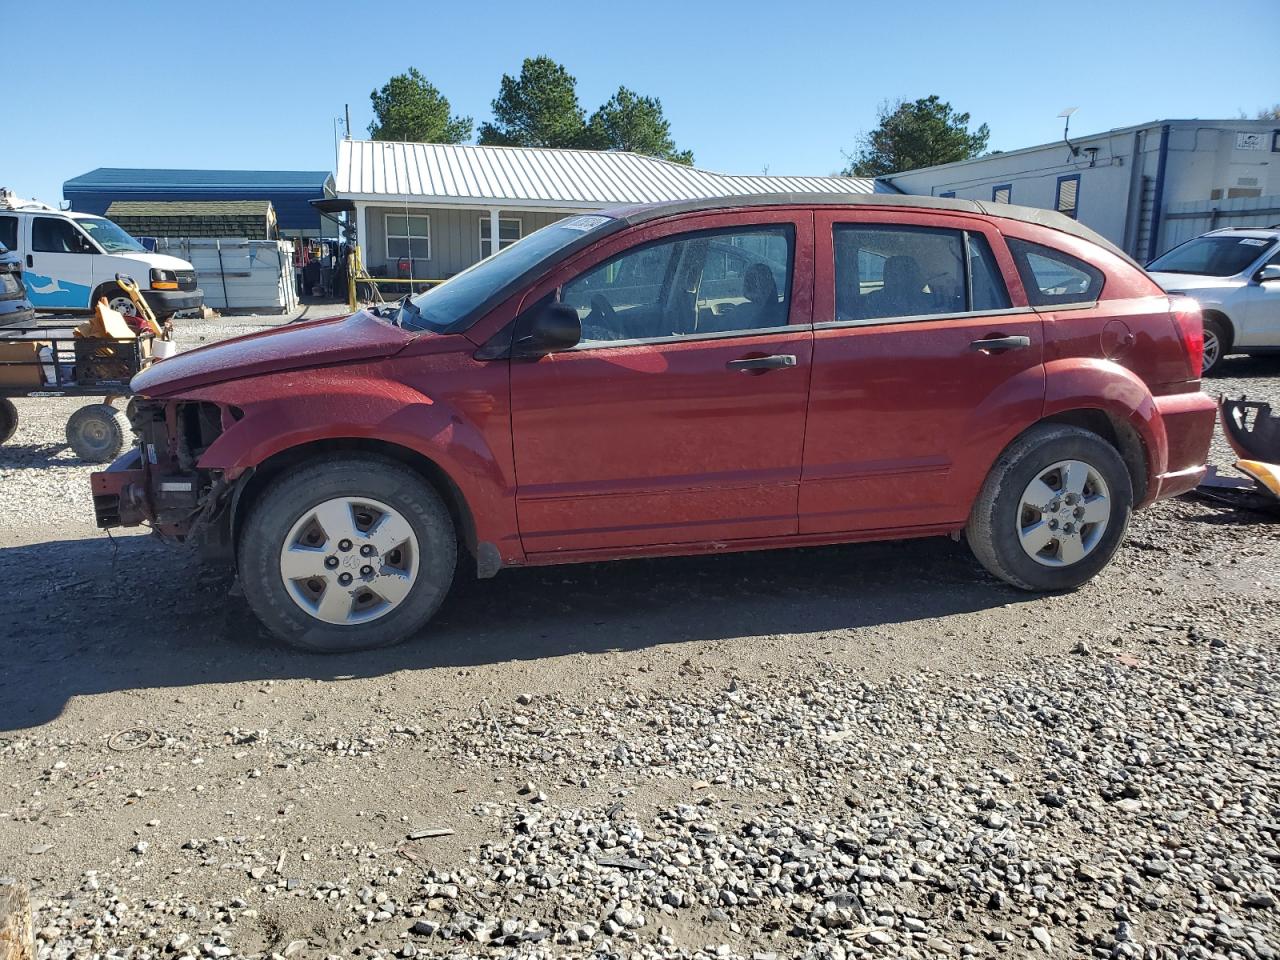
[1002, 193]
[408, 238]
[508, 233]
[708, 282]
[55, 235]
[1068, 196]
[1052, 277]
[885, 272]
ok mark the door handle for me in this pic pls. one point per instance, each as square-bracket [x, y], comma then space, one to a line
[775, 362]
[1000, 344]
[30, 261]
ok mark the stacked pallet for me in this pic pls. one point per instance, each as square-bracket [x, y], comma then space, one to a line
[237, 274]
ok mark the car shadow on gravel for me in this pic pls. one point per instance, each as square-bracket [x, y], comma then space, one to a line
[25, 456]
[133, 614]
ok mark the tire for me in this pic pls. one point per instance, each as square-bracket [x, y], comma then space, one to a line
[98, 433]
[1078, 548]
[8, 419]
[288, 521]
[1217, 342]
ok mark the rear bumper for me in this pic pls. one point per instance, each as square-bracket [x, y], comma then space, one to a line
[166, 302]
[1188, 419]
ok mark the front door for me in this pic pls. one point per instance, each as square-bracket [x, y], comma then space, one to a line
[59, 266]
[680, 416]
[920, 359]
[1259, 307]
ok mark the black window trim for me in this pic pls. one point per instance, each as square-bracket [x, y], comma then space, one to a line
[997, 187]
[1057, 196]
[921, 317]
[787, 225]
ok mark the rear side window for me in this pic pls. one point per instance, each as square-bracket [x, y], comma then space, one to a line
[9, 232]
[884, 271]
[1052, 277]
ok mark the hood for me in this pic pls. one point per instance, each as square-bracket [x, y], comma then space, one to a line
[292, 347]
[1188, 282]
[160, 261]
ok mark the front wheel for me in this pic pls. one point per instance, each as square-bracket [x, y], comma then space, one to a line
[1053, 509]
[98, 432]
[347, 554]
[1216, 344]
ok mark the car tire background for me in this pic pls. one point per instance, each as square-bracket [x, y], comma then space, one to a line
[8, 419]
[1215, 328]
[98, 432]
[991, 530]
[273, 514]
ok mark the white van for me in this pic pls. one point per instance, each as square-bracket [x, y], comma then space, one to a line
[70, 261]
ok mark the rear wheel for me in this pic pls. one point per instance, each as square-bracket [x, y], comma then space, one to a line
[8, 419]
[97, 433]
[1053, 509]
[1217, 341]
[347, 554]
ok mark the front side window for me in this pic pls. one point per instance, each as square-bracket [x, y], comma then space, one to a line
[56, 235]
[718, 281]
[1052, 277]
[1218, 256]
[1068, 196]
[508, 233]
[408, 238]
[9, 233]
[887, 271]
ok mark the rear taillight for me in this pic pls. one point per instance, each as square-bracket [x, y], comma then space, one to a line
[1190, 326]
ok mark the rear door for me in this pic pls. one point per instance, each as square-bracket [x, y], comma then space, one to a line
[924, 352]
[59, 264]
[680, 416]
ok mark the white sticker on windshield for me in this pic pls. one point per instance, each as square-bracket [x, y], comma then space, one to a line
[1253, 242]
[584, 223]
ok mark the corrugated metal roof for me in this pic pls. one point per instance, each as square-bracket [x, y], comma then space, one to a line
[532, 177]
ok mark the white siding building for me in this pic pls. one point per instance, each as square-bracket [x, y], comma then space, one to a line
[1145, 188]
[428, 210]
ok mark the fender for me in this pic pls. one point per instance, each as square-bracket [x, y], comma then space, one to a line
[992, 425]
[465, 433]
[1092, 384]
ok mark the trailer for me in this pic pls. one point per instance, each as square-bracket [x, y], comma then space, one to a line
[43, 362]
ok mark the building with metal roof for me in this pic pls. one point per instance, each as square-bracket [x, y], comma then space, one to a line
[428, 210]
[289, 191]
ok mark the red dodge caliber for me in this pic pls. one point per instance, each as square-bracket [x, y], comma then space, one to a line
[727, 374]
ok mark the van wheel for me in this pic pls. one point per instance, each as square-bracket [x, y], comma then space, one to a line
[346, 554]
[97, 433]
[117, 300]
[1217, 341]
[1053, 509]
[8, 419]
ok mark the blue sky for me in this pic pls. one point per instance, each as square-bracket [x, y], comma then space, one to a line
[747, 85]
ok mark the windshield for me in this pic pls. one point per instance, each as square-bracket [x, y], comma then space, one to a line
[1211, 256]
[109, 236]
[442, 307]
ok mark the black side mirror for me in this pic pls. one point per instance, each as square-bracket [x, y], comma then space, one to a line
[553, 328]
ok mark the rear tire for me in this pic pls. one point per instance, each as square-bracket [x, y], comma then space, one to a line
[352, 496]
[1059, 488]
[98, 433]
[8, 419]
[1217, 341]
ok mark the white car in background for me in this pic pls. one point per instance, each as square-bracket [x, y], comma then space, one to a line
[1234, 274]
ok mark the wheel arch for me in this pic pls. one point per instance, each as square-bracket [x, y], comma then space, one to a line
[1118, 432]
[259, 478]
[1214, 313]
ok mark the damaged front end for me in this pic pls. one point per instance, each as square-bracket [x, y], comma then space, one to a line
[160, 483]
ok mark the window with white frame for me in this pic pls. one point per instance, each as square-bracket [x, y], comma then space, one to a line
[408, 237]
[508, 233]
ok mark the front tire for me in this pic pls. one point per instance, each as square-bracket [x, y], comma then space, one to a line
[1053, 509]
[346, 554]
[98, 432]
[1217, 341]
[8, 419]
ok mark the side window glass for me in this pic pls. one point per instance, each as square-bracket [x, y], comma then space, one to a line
[1052, 277]
[709, 282]
[897, 271]
[989, 292]
[9, 232]
[55, 235]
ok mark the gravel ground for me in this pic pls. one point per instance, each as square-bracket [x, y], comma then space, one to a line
[870, 750]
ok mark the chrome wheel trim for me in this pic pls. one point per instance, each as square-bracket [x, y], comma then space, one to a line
[349, 560]
[123, 305]
[1063, 514]
[1212, 348]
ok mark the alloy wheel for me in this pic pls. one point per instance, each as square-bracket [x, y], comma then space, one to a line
[1063, 514]
[1212, 348]
[349, 560]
